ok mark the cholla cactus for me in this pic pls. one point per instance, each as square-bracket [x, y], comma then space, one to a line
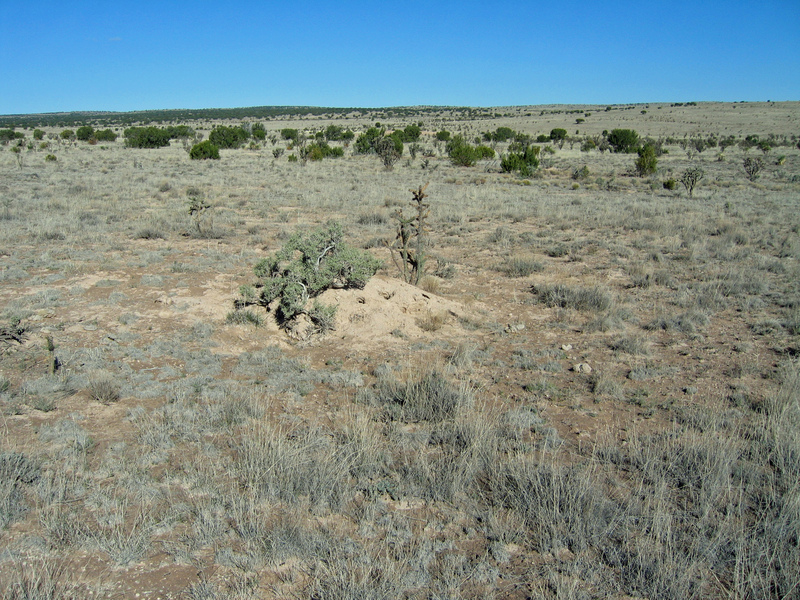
[408, 249]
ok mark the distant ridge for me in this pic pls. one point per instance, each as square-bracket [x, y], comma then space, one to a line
[73, 118]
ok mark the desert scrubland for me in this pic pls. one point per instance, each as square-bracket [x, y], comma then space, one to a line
[593, 391]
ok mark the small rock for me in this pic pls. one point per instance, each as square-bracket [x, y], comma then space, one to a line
[514, 327]
[582, 368]
[566, 347]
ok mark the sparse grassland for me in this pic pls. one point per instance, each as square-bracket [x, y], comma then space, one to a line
[593, 392]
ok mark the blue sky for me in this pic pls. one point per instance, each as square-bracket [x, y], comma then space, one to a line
[121, 56]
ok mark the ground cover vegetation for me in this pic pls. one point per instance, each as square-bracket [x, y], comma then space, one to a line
[474, 356]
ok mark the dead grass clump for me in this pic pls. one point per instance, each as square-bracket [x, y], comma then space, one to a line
[150, 234]
[17, 472]
[43, 393]
[609, 320]
[603, 386]
[430, 284]
[648, 372]
[432, 321]
[715, 294]
[501, 236]
[372, 219]
[103, 387]
[631, 344]
[463, 355]
[429, 396]
[644, 279]
[35, 578]
[688, 322]
[592, 299]
[520, 267]
[562, 507]
[244, 316]
[312, 464]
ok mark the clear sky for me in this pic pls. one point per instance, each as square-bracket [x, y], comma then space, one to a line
[137, 55]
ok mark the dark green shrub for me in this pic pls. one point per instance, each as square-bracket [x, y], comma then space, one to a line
[316, 151]
[503, 134]
[726, 143]
[542, 139]
[669, 184]
[84, 133]
[365, 143]
[146, 137]
[748, 142]
[647, 162]
[461, 153]
[623, 140]
[105, 135]
[484, 152]
[290, 134]
[524, 162]
[38, 134]
[320, 150]
[228, 137]
[50, 158]
[558, 134]
[258, 132]
[67, 134]
[333, 133]
[397, 139]
[204, 150]
[180, 131]
[6, 135]
[443, 135]
[411, 133]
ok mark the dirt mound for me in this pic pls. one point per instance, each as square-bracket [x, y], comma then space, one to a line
[389, 310]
